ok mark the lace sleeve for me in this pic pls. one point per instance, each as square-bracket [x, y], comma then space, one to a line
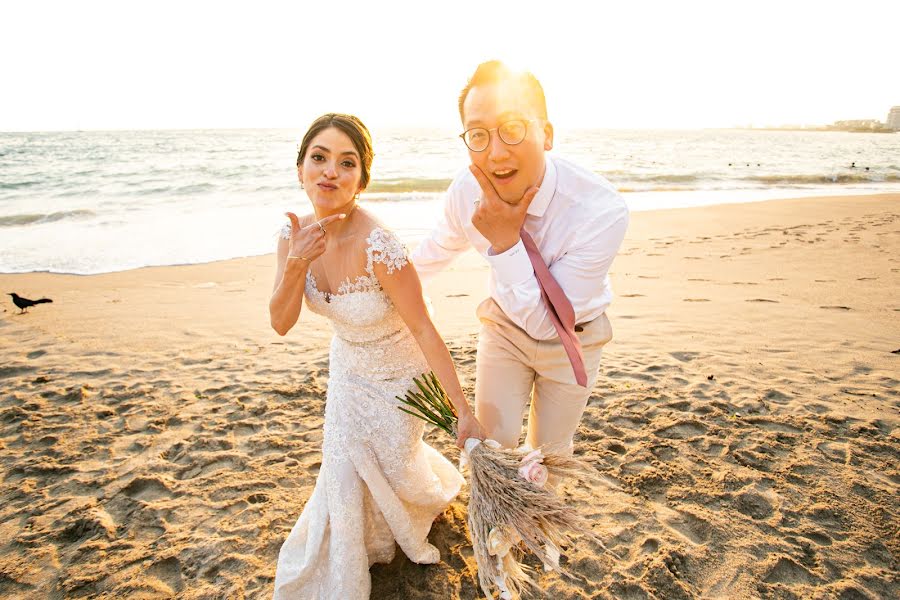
[384, 247]
[285, 231]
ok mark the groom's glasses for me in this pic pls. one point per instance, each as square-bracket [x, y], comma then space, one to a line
[510, 132]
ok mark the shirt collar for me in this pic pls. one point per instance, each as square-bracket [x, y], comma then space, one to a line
[541, 201]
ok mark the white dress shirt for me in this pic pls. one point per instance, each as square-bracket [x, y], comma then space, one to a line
[578, 222]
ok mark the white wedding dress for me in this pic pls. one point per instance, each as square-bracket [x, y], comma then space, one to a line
[379, 483]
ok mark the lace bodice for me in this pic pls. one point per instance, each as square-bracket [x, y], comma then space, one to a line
[370, 335]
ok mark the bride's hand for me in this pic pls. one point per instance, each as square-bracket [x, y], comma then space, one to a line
[468, 427]
[308, 242]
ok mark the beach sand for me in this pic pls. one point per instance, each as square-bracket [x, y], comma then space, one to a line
[158, 439]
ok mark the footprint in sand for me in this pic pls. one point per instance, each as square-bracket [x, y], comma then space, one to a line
[754, 506]
[694, 528]
[228, 463]
[816, 536]
[650, 546]
[617, 448]
[712, 449]
[835, 307]
[245, 429]
[762, 300]
[772, 425]
[627, 591]
[664, 453]
[680, 405]
[773, 395]
[834, 451]
[147, 489]
[684, 356]
[84, 524]
[682, 430]
[635, 466]
[168, 572]
[631, 295]
[623, 518]
[696, 300]
[788, 572]
[828, 517]
[14, 371]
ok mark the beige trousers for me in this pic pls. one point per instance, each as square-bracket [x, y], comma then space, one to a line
[512, 367]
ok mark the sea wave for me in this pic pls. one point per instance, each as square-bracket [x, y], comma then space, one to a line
[176, 190]
[655, 188]
[31, 219]
[663, 178]
[666, 182]
[409, 185]
[15, 185]
[818, 179]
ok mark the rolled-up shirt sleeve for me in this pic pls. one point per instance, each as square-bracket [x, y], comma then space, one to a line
[582, 273]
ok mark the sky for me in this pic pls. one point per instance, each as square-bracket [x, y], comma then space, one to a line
[638, 64]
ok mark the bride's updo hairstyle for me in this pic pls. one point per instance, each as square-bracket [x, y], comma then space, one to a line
[353, 128]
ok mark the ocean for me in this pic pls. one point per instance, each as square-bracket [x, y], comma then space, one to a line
[102, 201]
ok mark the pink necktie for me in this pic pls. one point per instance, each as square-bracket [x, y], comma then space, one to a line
[558, 307]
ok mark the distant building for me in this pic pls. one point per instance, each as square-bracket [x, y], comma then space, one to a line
[859, 125]
[893, 120]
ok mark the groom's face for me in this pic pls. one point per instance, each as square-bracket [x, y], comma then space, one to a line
[511, 168]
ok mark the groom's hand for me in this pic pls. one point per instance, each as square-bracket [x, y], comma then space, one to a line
[468, 427]
[499, 221]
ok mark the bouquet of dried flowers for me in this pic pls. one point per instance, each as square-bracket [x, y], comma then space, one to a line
[512, 510]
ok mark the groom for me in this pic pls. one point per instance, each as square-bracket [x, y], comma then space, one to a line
[524, 211]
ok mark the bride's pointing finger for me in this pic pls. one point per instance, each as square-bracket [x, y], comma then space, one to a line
[331, 219]
[295, 223]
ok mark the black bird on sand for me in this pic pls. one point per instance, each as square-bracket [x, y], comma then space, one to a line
[25, 303]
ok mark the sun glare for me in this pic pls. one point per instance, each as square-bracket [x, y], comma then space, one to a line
[647, 64]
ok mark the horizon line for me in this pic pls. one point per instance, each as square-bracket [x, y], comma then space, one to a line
[751, 126]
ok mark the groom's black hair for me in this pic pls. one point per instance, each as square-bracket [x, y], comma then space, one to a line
[495, 71]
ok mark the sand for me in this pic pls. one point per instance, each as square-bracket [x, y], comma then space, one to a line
[158, 440]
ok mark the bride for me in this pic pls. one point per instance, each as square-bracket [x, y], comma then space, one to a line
[379, 482]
